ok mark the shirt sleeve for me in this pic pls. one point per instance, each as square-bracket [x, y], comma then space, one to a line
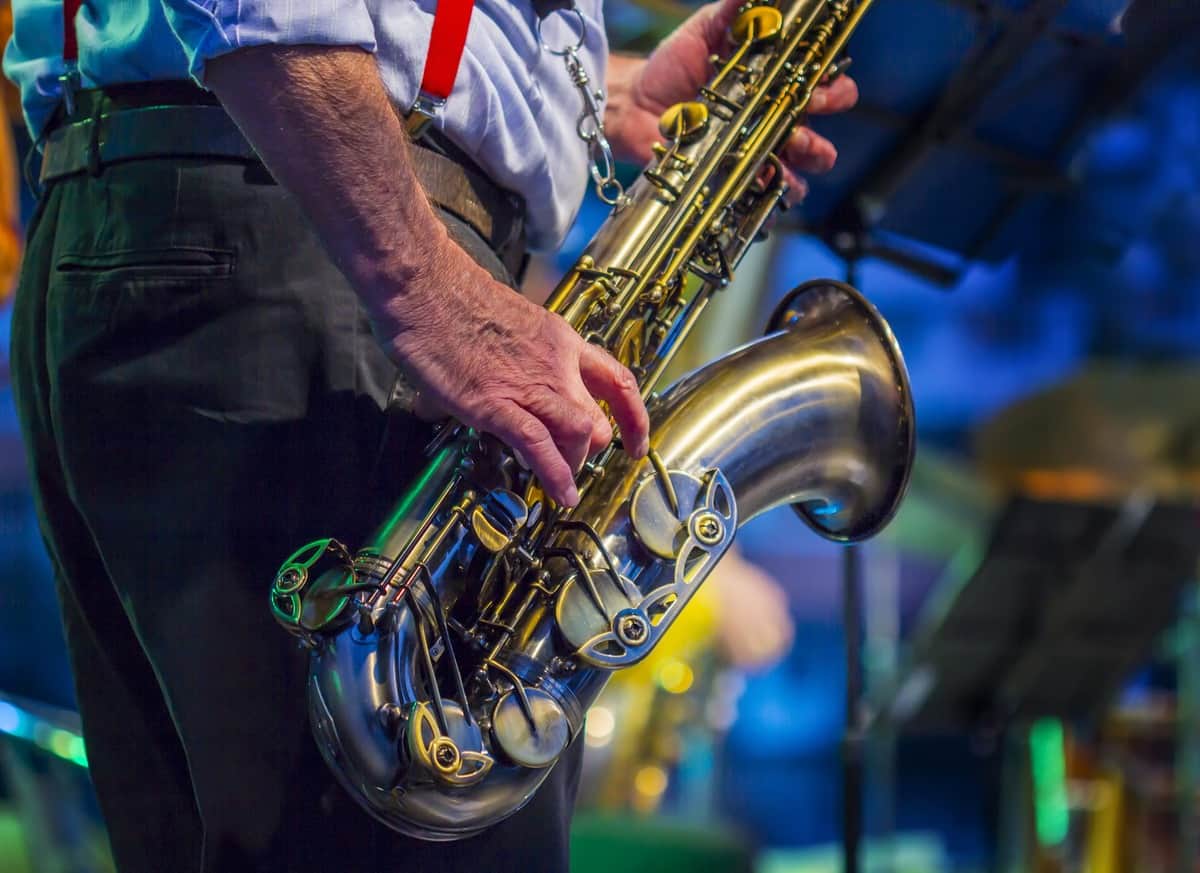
[209, 28]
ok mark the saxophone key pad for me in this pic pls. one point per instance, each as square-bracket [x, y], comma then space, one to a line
[661, 527]
[585, 610]
[455, 759]
[701, 517]
[497, 519]
[533, 737]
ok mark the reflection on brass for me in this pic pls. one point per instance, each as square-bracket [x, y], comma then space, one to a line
[757, 23]
[492, 621]
[438, 755]
[683, 122]
[535, 739]
[490, 537]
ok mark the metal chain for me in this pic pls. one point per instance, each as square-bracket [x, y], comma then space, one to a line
[590, 125]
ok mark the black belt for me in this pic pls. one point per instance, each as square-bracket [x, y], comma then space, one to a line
[168, 120]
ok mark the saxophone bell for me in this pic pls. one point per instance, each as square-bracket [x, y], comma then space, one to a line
[865, 479]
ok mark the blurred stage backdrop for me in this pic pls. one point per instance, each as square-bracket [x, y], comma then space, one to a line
[1019, 194]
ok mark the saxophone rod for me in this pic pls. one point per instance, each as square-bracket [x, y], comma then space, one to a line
[558, 298]
[657, 250]
[777, 123]
[691, 191]
[699, 302]
[780, 118]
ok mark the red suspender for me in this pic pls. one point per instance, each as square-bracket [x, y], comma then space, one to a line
[451, 20]
[70, 43]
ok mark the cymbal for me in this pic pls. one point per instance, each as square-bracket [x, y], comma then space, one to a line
[1112, 431]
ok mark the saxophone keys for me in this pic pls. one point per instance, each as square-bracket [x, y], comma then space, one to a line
[457, 758]
[305, 595]
[532, 734]
[580, 618]
[498, 518]
[684, 122]
[756, 24]
[660, 509]
[836, 69]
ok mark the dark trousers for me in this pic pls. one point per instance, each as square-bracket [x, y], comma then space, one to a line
[200, 394]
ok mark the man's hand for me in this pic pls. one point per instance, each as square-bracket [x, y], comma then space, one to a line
[321, 121]
[504, 365]
[640, 89]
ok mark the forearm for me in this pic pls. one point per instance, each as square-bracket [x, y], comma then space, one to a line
[321, 121]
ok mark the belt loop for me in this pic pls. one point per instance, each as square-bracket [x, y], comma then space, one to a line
[33, 180]
[94, 166]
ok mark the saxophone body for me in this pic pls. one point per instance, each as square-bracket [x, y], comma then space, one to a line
[454, 657]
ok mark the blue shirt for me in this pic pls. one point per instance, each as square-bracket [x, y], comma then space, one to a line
[513, 108]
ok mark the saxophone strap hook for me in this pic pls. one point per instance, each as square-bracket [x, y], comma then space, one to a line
[566, 48]
[590, 126]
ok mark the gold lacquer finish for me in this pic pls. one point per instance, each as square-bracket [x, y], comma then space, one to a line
[683, 122]
[455, 656]
[757, 22]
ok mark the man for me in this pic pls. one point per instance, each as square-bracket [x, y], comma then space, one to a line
[204, 354]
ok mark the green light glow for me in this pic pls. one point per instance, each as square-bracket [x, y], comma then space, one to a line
[1052, 812]
[68, 746]
[21, 724]
[405, 505]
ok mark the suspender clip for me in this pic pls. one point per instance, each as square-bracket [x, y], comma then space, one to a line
[424, 110]
[70, 82]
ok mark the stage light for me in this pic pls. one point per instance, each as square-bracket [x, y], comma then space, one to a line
[650, 781]
[675, 676]
[10, 719]
[599, 727]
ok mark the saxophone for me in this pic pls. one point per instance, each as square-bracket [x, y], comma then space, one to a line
[454, 657]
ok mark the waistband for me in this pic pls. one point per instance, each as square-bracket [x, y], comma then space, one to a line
[177, 119]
